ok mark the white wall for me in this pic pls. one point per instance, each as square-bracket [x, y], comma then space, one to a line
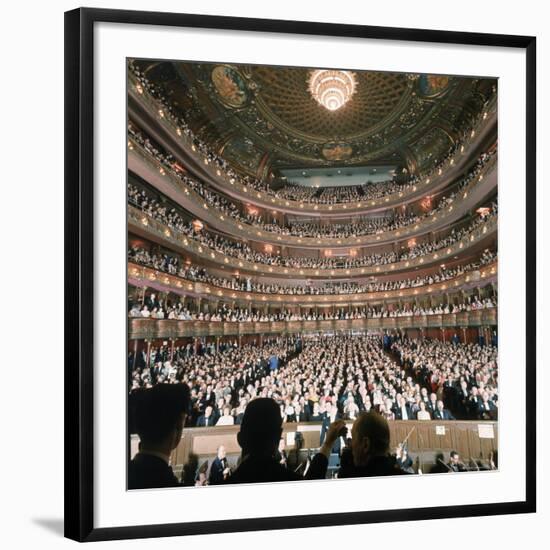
[32, 104]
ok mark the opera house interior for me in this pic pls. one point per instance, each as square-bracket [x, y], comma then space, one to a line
[321, 243]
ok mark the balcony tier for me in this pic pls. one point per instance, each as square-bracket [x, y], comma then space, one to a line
[147, 277]
[150, 329]
[145, 226]
[159, 176]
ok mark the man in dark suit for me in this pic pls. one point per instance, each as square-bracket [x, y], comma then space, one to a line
[441, 413]
[238, 382]
[455, 465]
[402, 409]
[474, 403]
[157, 371]
[152, 302]
[207, 419]
[301, 413]
[329, 416]
[157, 415]
[219, 471]
[451, 393]
[432, 404]
[208, 398]
[487, 409]
[462, 400]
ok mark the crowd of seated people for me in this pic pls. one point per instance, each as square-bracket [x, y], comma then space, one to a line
[342, 193]
[260, 185]
[372, 226]
[455, 236]
[321, 195]
[368, 190]
[296, 192]
[214, 199]
[466, 376]
[174, 265]
[169, 216]
[217, 379]
[330, 195]
[376, 190]
[362, 227]
[152, 308]
[367, 226]
[329, 377]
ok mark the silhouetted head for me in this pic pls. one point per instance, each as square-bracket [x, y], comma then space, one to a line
[158, 414]
[370, 436]
[261, 427]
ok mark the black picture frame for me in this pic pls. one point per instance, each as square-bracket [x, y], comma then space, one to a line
[79, 269]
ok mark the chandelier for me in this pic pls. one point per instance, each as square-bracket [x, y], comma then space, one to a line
[332, 88]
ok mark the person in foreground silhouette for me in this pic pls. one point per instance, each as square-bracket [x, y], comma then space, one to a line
[259, 438]
[368, 452]
[158, 416]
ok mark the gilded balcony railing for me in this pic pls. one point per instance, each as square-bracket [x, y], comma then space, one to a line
[150, 329]
[147, 277]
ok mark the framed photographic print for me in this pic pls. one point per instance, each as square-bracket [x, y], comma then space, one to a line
[300, 274]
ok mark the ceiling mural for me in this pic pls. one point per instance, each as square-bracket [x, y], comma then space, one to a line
[269, 112]
[337, 151]
[230, 86]
[241, 149]
[431, 146]
[432, 84]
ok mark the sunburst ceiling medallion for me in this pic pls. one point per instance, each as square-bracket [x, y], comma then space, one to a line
[331, 88]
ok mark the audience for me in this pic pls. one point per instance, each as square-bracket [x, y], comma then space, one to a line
[331, 377]
[300, 228]
[260, 383]
[178, 311]
[461, 378]
[169, 216]
[174, 265]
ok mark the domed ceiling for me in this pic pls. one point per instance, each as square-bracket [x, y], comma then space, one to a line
[283, 97]
[264, 118]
